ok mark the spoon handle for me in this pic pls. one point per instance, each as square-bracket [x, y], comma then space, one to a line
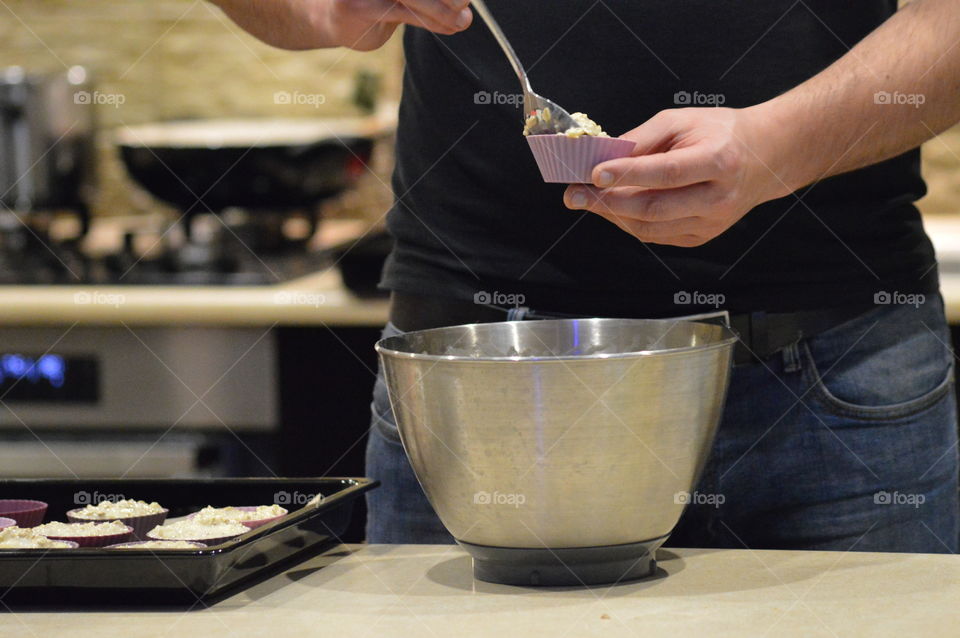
[494, 27]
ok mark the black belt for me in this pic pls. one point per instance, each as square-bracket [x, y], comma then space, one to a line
[761, 334]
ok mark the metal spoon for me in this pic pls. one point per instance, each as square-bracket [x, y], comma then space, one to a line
[542, 116]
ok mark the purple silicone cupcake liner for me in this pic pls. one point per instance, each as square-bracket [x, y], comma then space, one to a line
[96, 541]
[140, 524]
[209, 542]
[6, 522]
[570, 160]
[25, 512]
[251, 524]
[137, 544]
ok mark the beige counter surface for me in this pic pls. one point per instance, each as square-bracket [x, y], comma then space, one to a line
[318, 299]
[427, 590]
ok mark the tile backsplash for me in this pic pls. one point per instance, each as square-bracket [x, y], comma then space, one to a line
[184, 59]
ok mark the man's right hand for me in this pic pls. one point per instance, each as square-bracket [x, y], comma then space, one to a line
[363, 25]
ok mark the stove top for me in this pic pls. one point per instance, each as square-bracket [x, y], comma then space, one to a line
[205, 250]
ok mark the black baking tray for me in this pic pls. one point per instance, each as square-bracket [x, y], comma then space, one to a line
[143, 577]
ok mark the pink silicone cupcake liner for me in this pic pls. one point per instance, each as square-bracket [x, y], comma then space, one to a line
[136, 544]
[96, 541]
[570, 160]
[25, 512]
[140, 524]
[251, 524]
[209, 542]
[6, 522]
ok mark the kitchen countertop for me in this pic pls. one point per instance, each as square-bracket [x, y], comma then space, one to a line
[428, 590]
[318, 299]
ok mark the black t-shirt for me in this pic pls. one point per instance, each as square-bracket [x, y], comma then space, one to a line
[473, 215]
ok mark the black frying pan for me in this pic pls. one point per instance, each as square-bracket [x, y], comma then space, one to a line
[269, 164]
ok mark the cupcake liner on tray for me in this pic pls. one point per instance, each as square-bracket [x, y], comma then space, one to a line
[26, 512]
[96, 541]
[140, 524]
[570, 160]
[6, 522]
[251, 524]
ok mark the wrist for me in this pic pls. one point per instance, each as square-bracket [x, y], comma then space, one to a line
[776, 137]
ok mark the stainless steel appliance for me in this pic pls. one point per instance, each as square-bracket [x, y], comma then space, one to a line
[559, 452]
[46, 139]
[138, 402]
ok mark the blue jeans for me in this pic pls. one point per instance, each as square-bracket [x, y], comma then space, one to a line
[846, 440]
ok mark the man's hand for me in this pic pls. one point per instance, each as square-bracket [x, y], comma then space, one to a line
[363, 25]
[698, 171]
[694, 173]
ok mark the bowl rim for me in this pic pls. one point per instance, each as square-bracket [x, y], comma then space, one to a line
[726, 342]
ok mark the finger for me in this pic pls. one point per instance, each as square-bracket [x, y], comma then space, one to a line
[675, 168]
[396, 13]
[642, 204]
[440, 12]
[457, 5]
[685, 232]
[656, 134]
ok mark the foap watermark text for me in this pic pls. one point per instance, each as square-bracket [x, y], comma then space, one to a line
[696, 98]
[697, 298]
[497, 298]
[895, 298]
[884, 497]
[916, 100]
[699, 498]
[499, 498]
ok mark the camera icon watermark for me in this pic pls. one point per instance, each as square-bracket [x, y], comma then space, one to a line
[696, 298]
[296, 98]
[696, 98]
[98, 298]
[498, 98]
[284, 497]
[299, 298]
[699, 498]
[916, 100]
[511, 499]
[116, 100]
[895, 298]
[497, 298]
[93, 498]
[884, 497]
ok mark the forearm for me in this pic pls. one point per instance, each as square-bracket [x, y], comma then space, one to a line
[841, 119]
[271, 22]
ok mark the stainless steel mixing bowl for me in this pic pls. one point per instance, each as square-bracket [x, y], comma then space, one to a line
[559, 434]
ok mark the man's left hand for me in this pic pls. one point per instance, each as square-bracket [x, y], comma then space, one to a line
[694, 173]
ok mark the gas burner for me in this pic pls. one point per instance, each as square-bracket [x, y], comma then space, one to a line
[233, 249]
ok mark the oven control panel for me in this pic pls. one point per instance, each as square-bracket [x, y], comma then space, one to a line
[139, 377]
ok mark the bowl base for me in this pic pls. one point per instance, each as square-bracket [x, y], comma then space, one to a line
[572, 566]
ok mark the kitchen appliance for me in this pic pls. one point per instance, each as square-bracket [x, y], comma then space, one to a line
[46, 139]
[247, 197]
[559, 452]
[102, 401]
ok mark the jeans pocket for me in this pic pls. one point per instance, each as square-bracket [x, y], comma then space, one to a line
[382, 419]
[893, 368]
